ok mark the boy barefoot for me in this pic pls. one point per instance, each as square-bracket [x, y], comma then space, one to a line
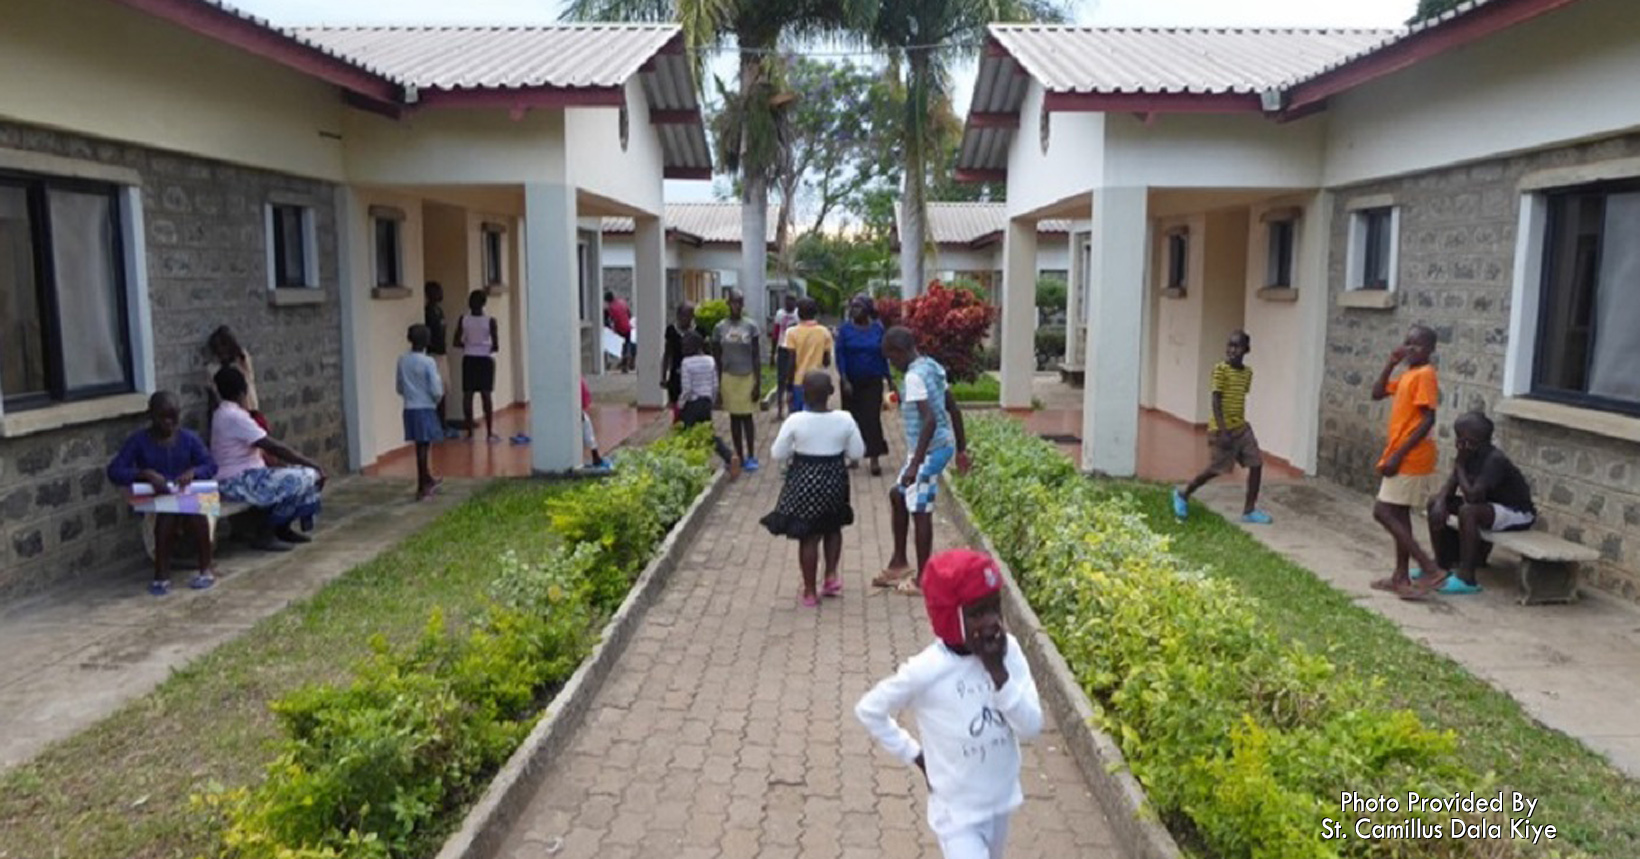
[1230, 437]
[934, 436]
[1408, 464]
[974, 699]
[422, 388]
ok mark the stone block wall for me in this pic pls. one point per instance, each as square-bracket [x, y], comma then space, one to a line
[206, 256]
[1455, 273]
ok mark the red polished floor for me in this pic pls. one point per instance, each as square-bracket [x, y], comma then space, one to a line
[1170, 450]
[613, 424]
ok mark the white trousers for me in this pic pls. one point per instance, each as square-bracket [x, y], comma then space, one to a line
[587, 437]
[980, 841]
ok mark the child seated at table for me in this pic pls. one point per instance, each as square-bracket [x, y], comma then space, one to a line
[168, 458]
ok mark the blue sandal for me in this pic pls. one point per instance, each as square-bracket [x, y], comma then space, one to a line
[160, 587]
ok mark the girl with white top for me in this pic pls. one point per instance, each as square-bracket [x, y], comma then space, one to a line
[974, 699]
[814, 505]
[479, 338]
[290, 495]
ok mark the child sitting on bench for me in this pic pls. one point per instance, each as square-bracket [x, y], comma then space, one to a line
[1486, 492]
[169, 458]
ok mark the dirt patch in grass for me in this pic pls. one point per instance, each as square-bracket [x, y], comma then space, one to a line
[1592, 804]
[122, 788]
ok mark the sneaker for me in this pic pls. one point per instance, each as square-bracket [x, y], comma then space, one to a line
[160, 587]
[1181, 507]
[1456, 586]
[1257, 517]
[201, 581]
[751, 464]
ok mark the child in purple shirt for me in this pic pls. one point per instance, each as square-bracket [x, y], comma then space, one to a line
[169, 458]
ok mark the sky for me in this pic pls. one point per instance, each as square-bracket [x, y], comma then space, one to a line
[1135, 13]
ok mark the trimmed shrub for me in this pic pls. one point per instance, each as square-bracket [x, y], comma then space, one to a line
[950, 325]
[379, 768]
[710, 312]
[1243, 740]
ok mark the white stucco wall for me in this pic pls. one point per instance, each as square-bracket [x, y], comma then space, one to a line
[1074, 163]
[1208, 151]
[1280, 342]
[1566, 76]
[1223, 300]
[455, 147]
[379, 330]
[104, 70]
[507, 308]
[1177, 321]
[632, 176]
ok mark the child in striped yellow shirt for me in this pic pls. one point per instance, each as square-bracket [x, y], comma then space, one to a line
[1230, 438]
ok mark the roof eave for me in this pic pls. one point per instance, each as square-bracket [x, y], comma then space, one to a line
[261, 40]
[1462, 29]
[1153, 102]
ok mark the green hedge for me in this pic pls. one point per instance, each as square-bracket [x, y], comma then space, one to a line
[1242, 740]
[384, 766]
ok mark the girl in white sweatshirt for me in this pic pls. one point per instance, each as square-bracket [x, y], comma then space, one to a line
[973, 697]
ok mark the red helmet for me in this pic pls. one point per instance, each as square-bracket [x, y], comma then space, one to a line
[952, 580]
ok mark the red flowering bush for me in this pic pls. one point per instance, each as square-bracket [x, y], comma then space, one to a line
[950, 324]
[888, 311]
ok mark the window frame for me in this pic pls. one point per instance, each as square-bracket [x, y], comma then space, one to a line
[1176, 254]
[37, 188]
[1362, 260]
[1280, 255]
[310, 246]
[1542, 326]
[396, 225]
[493, 237]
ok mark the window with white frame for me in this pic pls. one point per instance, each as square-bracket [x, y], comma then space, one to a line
[387, 239]
[293, 262]
[1587, 343]
[1280, 246]
[495, 255]
[65, 320]
[1373, 247]
[1178, 258]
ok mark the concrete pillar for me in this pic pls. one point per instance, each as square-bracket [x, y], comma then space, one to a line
[649, 306]
[553, 347]
[351, 240]
[1314, 296]
[1018, 313]
[1075, 337]
[1115, 320]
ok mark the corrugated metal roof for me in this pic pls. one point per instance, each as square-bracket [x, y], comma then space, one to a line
[708, 223]
[1455, 12]
[1181, 60]
[968, 223]
[448, 58]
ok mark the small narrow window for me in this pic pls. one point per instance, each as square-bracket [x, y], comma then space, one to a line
[1279, 263]
[1372, 242]
[389, 253]
[291, 254]
[1178, 259]
[495, 270]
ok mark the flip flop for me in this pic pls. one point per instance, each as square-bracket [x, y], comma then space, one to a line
[908, 587]
[890, 577]
[832, 588]
[520, 439]
[201, 581]
[1458, 587]
[809, 601]
[1181, 507]
[1257, 517]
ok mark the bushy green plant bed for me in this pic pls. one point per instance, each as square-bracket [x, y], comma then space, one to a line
[1243, 737]
[384, 702]
[985, 389]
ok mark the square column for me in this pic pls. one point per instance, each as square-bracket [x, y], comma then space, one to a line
[1018, 313]
[552, 349]
[649, 306]
[1115, 322]
[1314, 250]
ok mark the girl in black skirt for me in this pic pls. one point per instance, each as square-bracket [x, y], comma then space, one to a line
[814, 502]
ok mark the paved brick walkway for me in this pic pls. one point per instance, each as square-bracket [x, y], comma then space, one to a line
[727, 728]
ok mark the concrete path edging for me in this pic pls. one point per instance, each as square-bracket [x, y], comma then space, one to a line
[485, 826]
[1132, 818]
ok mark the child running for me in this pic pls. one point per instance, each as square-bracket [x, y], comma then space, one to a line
[814, 505]
[934, 435]
[422, 389]
[973, 697]
[1408, 463]
[169, 458]
[697, 392]
[1230, 437]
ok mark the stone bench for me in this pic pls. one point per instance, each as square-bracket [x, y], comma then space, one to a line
[1549, 566]
[1071, 374]
[229, 509]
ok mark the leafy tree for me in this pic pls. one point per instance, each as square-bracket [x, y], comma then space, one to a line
[1431, 8]
[840, 142]
[838, 268]
[750, 146]
[925, 33]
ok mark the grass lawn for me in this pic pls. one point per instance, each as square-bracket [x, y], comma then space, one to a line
[121, 789]
[1592, 804]
[985, 389]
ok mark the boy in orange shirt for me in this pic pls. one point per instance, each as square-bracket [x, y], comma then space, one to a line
[1408, 463]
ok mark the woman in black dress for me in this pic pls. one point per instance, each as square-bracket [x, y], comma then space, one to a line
[864, 371]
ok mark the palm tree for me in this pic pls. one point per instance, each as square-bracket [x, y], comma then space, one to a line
[925, 33]
[754, 146]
